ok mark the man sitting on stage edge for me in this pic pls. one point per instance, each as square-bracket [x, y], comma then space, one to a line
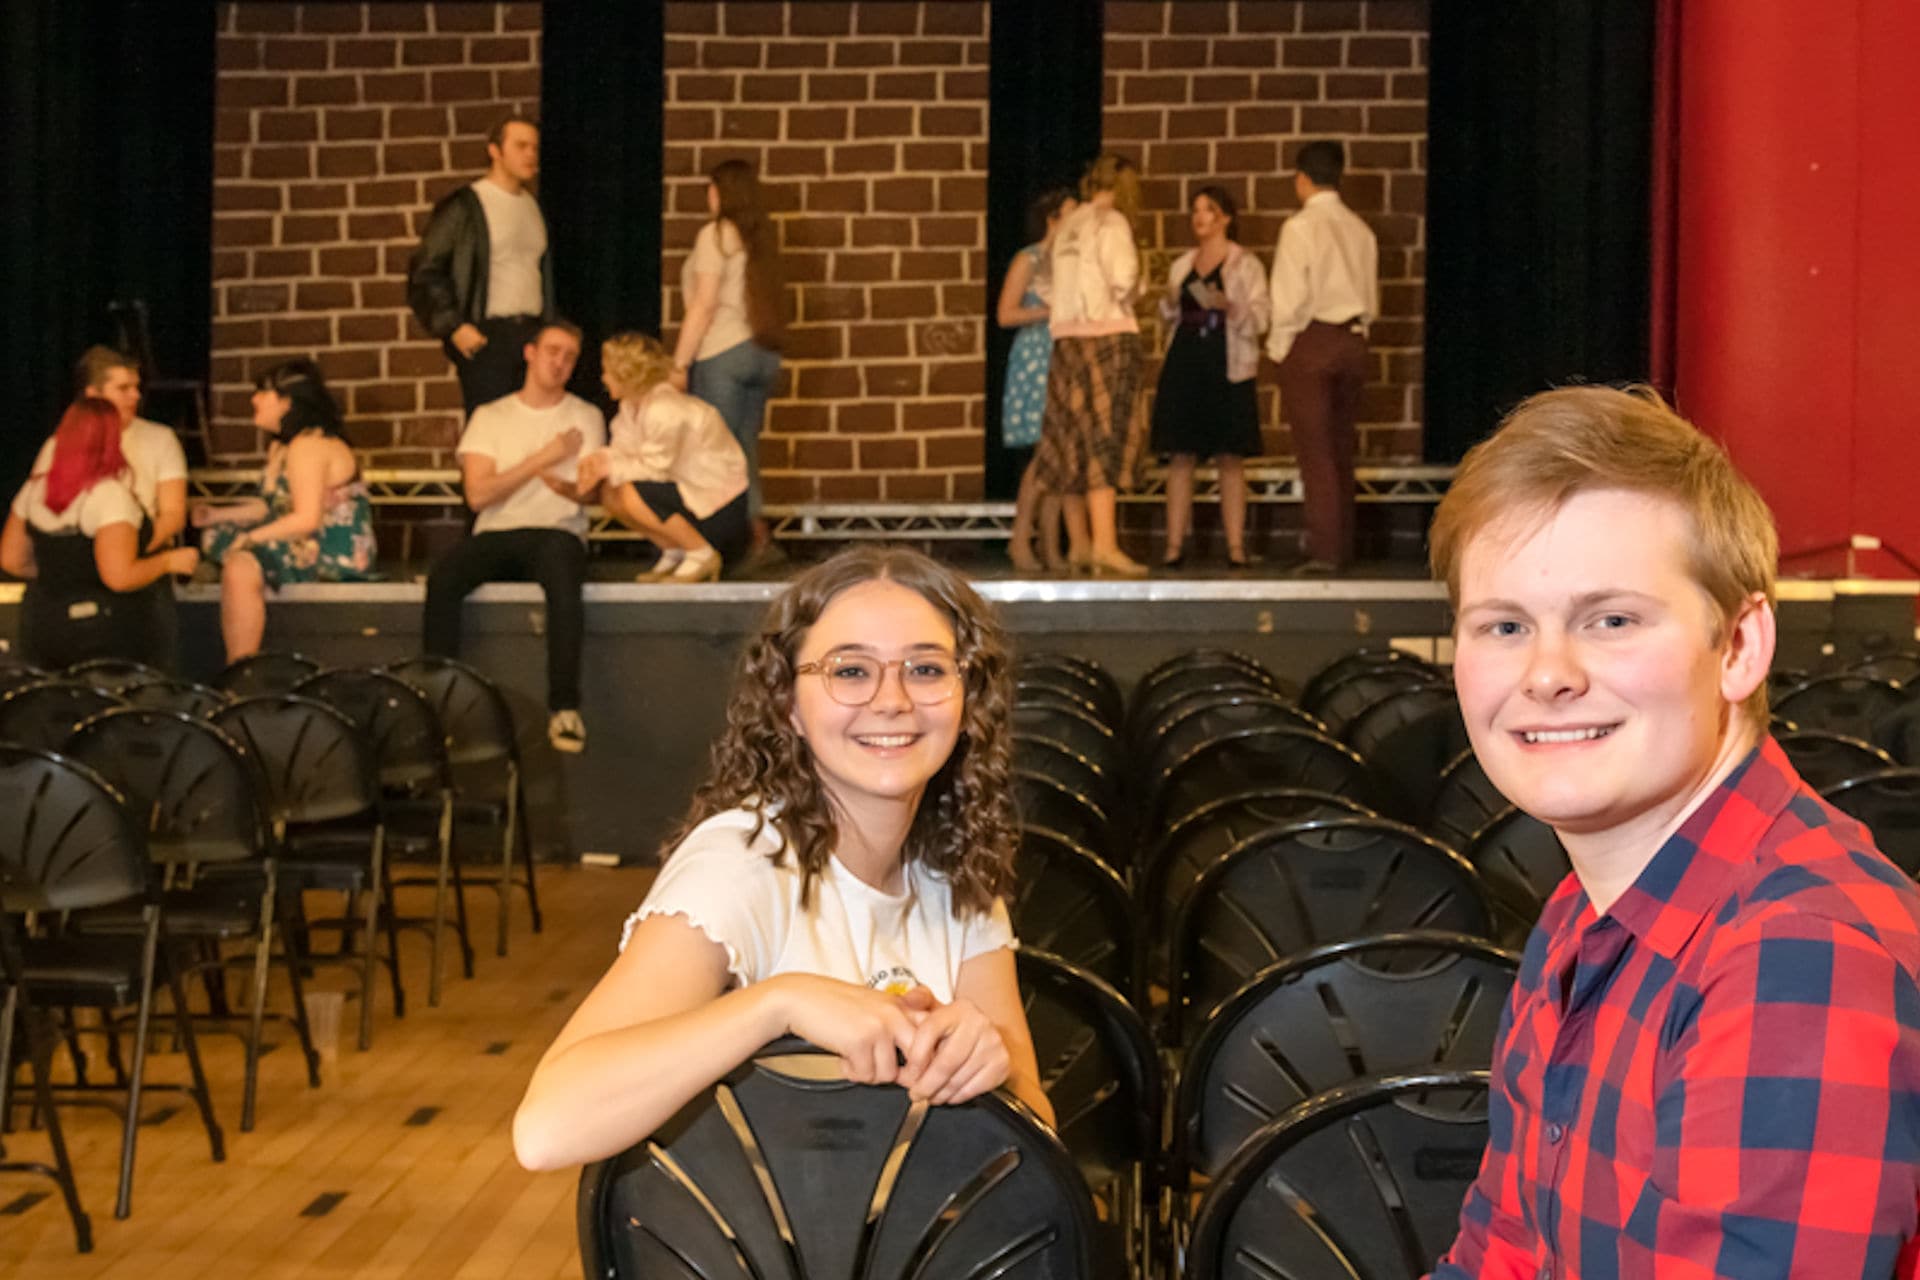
[482, 278]
[1710, 1063]
[518, 460]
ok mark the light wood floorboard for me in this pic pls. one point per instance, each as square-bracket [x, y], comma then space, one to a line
[440, 1199]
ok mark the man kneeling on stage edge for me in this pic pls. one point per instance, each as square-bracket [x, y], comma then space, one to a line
[1710, 1063]
[518, 463]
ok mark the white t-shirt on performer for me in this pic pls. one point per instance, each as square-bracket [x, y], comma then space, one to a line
[723, 255]
[105, 502]
[153, 455]
[516, 241]
[509, 430]
[727, 887]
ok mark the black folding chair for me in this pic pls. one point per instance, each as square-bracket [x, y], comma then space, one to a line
[1302, 886]
[1888, 802]
[786, 1169]
[207, 834]
[1521, 862]
[1250, 704]
[1156, 695]
[1409, 738]
[1068, 902]
[416, 788]
[1051, 805]
[1843, 703]
[1073, 727]
[1372, 1006]
[1090, 677]
[323, 800]
[1363, 1181]
[1249, 759]
[1896, 666]
[1350, 663]
[489, 785]
[169, 694]
[262, 674]
[1101, 1072]
[1464, 802]
[114, 675]
[45, 713]
[1060, 761]
[1343, 701]
[1821, 757]
[68, 842]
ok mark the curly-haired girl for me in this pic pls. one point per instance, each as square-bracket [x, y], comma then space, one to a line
[839, 876]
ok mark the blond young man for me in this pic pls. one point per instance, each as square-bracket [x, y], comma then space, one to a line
[1710, 1064]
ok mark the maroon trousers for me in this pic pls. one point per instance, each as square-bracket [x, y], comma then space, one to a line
[1320, 384]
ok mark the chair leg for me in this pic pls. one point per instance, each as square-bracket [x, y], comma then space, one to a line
[8, 1005]
[257, 1010]
[130, 1134]
[40, 1059]
[440, 896]
[503, 887]
[389, 917]
[460, 918]
[526, 856]
[369, 957]
[202, 1096]
[295, 962]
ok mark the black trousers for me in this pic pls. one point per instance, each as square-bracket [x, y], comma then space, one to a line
[553, 558]
[499, 368]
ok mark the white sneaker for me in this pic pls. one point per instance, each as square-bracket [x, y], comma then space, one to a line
[699, 566]
[567, 732]
[663, 567]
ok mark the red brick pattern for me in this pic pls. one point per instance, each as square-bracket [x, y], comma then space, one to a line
[336, 128]
[1226, 93]
[868, 123]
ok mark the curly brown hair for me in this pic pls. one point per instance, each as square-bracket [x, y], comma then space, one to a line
[964, 828]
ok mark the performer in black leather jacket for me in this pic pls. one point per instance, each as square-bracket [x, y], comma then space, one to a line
[481, 280]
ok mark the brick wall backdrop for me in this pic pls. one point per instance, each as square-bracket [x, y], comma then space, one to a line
[337, 127]
[868, 123]
[1226, 93]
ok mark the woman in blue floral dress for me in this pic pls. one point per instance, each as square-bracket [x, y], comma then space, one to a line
[312, 521]
[1023, 306]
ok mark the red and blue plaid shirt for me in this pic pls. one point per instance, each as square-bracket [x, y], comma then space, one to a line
[1721, 1076]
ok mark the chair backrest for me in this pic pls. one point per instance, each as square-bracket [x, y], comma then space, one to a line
[193, 785]
[1324, 880]
[1521, 862]
[1044, 801]
[1151, 703]
[1888, 802]
[1373, 1006]
[1464, 802]
[1052, 758]
[1089, 679]
[1845, 703]
[1364, 1181]
[1819, 756]
[1098, 1066]
[45, 713]
[169, 694]
[1273, 756]
[472, 710]
[115, 675]
[265, 673]
[15, 674]
[1897, 666]
[1190, 659]
[1264, 706]
[409, 744]
[1409, 738]
[317, 764]
[1175, 864]
[1073, 727]
[67, 840]
[1068, 902]
[783, 1170]
[1353, 661]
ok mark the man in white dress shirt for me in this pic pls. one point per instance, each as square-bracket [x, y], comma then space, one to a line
[1325, 291]
[482, 279]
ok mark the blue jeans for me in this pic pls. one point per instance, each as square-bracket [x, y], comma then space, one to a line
[737, 383]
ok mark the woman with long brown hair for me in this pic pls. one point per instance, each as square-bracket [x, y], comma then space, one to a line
[839, 877]
[728, 351]
[74, 536]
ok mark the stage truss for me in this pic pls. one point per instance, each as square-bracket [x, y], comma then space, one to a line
[439, 488]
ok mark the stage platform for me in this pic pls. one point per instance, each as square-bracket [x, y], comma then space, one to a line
[659, 658]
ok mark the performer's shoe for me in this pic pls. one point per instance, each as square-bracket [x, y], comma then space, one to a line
[1116, 564]
[567, 732]
[663, 567]
[699, 566]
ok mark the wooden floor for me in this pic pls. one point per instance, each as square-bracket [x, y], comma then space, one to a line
[441, 1197]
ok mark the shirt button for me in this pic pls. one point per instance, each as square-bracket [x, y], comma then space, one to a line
[1555, 1132]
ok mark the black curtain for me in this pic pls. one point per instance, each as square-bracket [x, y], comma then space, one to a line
[109, 155]
[602, 84]
[1538, 205]
[1043, 125]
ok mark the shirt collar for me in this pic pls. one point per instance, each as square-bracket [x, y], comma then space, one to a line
[1694, 869]
[1322, 197]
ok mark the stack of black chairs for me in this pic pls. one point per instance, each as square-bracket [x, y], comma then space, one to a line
[154, 830]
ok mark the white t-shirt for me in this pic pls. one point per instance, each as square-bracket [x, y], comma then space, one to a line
[509, 430]
[106, 502]
[516, 241]
[725, 257]
[731, 890]
[153, 455]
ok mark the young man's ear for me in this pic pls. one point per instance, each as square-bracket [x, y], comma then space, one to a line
[1749, 654]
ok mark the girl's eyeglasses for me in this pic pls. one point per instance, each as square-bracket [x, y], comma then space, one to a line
[854, 679]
